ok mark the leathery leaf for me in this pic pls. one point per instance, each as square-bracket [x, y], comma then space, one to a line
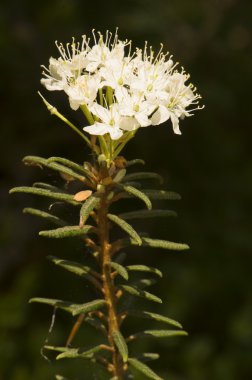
[87, 207]
[144, 268]
[121, 345]
[142, 175]
[143, 368]
[45, 193]
[44, 215]
[145, 214]
[125, 227]
[134, 291]
[120, 270]
[67, 231]
[136, 193]
[74, 309]
[154, 316]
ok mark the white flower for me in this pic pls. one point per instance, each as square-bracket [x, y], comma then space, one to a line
[100, 54]
[144, 88]
[110, 121]
[177, 100]
[66, 68]
[135, 105]
[83, 90]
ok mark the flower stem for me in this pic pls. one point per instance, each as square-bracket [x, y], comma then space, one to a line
[108, 285]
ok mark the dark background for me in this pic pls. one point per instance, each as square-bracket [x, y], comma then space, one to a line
[209, 289]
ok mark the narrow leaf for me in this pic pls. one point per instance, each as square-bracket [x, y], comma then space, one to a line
[162, 194]
[144, 282]
[72, 165]
[121, 345]
[143, 368]
[147, 214]
[148, 356]
[120, 270]
[158, 334]
[87, 207]
[75, 353]
[125, 227]
[78, 269]
[119, 175]
[144, 268]
[89, 306]
[55, 348]
[142, 175]
[135, 162]
[71, 266]
[34, 160]
[74, 309]
[136, 193]
[44, 185]
[68, 231]
[165, 244]
[44, 193]
[133, 290]
[154, 243]
[154, 316]
[44, 215]
[65, 170]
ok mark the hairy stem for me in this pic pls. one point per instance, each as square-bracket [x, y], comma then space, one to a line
[108, 285]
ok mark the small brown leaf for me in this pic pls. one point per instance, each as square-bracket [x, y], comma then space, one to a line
[120, 162]
[106, 181]
[82, 195]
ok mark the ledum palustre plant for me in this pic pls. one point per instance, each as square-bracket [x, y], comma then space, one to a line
[119, 91]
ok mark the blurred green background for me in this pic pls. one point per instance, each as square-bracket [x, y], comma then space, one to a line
[210, 289]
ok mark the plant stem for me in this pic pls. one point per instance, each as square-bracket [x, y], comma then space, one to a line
[108, 285]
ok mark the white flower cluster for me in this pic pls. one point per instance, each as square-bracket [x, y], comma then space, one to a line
[121, 90]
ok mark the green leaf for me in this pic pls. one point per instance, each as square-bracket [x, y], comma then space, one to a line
[44, 215]
[144, 282]
[120, 270]
[78, 269]
[55, 348]
[143, 368]
[136, 193]
[87, 207]
[45, 193]
[96, 323]
[134, 291]
[48, 186]
[71, 266]
[135, 162]
[165, 244]
[154, 243]
[65, 170]
[119, 175]
[35, 161]
[125, 227]
[162, 194]
[154, 316]
[159, 334]
[147, 214]
[76, 353]
[74, 309]
[148, 356]
[144, 268]
[121, 345]
[68, 231]
[72, 165]
[143, 175]
[40, 161]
